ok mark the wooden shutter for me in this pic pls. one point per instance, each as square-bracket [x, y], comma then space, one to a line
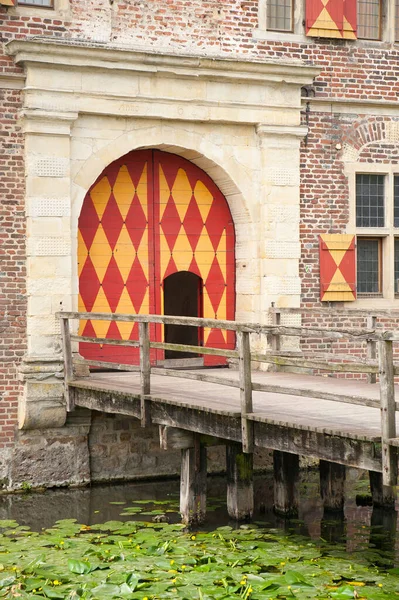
[337, 268]
[331, 18]
[8, 2]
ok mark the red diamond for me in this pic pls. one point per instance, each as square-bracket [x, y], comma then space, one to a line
[136, 285]
[215, 284]
[193, 268]
[88, 221]
[171, 223]
[112, 221]
[216, 222]
[113, 284]
[171, 268]
[114, 333]
[136, 222]
[89, 284]
[193, 223]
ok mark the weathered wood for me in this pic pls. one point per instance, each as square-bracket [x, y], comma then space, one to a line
[361, 454]
[196, 377]
[108, 402]
[244, 370]
[171, 438]
[371, 347]
[107, 365]
[318, 394]
[332, 485]
[240, 493]
[104, 341]
[193, 484]
[316, 364]
[145, 372]
[286, 478]
[384, 496]
[345, 312]
[195, 349]
[275, 340]
[388, 426]
[324, 333]
[68, 366]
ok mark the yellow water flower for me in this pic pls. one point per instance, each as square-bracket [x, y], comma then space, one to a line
[56, 582]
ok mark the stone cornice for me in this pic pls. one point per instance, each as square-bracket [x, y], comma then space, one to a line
[66, 55]
[353, 105]
[12, 81]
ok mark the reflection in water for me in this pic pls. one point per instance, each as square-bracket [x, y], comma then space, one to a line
[359, 528]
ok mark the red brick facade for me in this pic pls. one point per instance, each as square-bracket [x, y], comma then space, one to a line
[350, 71]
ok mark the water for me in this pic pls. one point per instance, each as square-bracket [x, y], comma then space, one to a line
[362, 529]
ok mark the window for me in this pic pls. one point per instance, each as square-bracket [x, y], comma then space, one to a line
[369, 274]
[369, 19]
[376, 218]
[44, 3]
[279, 15]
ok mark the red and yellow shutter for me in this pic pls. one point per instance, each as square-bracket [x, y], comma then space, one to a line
[331, 18]
[337, 268]
[8, 2]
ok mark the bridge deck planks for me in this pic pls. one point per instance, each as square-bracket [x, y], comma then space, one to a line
[289, 410]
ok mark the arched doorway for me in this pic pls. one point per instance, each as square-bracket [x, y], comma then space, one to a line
[148, 216]
[182, 296]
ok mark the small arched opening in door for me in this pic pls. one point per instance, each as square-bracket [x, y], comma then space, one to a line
[183, 297]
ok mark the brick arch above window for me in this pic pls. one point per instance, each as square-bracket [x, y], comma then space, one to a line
[379, 132]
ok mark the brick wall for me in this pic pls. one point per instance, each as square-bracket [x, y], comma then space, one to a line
[12, 262]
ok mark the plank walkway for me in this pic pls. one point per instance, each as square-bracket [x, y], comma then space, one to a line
[294, 411]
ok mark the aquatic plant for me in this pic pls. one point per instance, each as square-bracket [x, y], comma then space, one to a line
[151, 561]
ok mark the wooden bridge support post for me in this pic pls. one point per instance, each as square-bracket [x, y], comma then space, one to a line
[383, 496]
[388, 413]
[240, 492]
[68, 367]
[332, 485]
[286, 478]
[244, 367]
[145, 372]
[371, 347]
[193, 483]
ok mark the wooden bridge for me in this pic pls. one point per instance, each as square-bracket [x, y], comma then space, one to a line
[339, 421]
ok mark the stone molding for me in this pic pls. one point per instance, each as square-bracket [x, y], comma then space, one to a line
[12, 81]
[186, 67]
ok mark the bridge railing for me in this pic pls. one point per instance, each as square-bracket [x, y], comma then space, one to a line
[385, 367]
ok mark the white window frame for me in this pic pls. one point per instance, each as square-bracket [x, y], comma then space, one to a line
[61, 10]
[387, 233]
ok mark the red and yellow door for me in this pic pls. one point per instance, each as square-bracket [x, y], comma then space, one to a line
[149, 215]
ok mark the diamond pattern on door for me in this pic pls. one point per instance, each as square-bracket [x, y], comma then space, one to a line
[149, 215]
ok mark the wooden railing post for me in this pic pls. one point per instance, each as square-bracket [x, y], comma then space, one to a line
[145, 371]
[371, 347]
[276, 338]
[68, 367]
[388, 425]
[244, 366]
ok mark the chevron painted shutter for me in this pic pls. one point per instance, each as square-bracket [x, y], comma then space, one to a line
[337, 268]
[331, 18]
[8, 2]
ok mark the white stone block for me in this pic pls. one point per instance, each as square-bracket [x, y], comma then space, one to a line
[48, 207]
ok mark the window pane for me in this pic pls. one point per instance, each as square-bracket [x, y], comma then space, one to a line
[279, 15]
[370, 200]
[368, 266]
[397, 266]
[396, 201]
[37, 2]
[368, 19]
